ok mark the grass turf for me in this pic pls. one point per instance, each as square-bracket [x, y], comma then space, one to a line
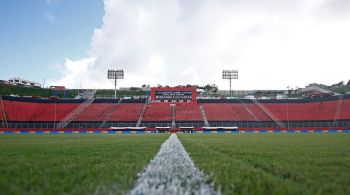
[74, 164]
[273, 163]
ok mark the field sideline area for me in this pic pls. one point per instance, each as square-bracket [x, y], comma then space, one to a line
[236, 163]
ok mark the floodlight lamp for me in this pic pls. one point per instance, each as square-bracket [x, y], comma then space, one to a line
[115, 74]
[230, 74]
[111, 74]
[119, 74]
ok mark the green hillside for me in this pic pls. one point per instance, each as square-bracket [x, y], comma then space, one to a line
[342, 89]
[28, 91]
[110, 92]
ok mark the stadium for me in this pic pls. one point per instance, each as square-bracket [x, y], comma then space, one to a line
[174, 97]
[254, 145]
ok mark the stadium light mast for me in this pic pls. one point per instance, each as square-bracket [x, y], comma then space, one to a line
[115, 74]
[230, 74]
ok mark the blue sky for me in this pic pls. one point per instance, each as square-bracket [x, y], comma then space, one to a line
[36, 35]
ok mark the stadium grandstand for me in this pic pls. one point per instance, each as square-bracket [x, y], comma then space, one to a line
[173, 108]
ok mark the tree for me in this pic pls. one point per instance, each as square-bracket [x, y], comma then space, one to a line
[210, 88]
[215, 88]
[207, 87]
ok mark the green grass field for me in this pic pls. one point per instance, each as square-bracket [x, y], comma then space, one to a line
[73, 164]
[273, 163]
[237, 164]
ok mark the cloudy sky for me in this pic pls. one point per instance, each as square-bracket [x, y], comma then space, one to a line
[273, 43]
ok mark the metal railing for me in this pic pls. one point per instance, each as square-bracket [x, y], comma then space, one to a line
[142, 113]
[204, 117]
[268, 113]
[3, 114]
[173, 116]
[71, 116]
[338, 110]
[196, 124]
[249, 111]
[109, 113]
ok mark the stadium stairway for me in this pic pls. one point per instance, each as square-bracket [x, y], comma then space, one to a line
[111, 112]
[108, 113]
[142, 113]
[173, 115]
[36, 112]
[338, 110]
[3, 117]
[93, 113]
[71, 116]
[204, 117]
[246, 113]
[268, 113]
[261, 114]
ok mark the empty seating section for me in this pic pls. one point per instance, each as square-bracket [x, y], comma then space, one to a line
[1, 113]
[1, 109]
[188, 112]
[279, 110]
[220, 112]
[1, 117]
[260, 114]
[322, 110]
[304, 111]
[243, 112]
[158, 112]
[44, 112]
[94, 112]
[345, 111]
[126, 112]
[48, 112]
[111, 112]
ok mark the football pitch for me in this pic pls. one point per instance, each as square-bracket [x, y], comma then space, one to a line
[74, 164]
[295, 163]
[315, 163]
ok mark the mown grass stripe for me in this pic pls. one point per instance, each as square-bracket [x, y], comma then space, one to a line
[172, 171]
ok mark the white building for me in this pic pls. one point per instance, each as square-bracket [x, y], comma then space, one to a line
[22, 82]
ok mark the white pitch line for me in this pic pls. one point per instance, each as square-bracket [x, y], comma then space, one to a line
[172, 171]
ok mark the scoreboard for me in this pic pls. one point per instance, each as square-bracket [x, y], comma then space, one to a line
[176, 94]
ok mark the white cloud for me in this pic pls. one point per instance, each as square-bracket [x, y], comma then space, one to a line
[77, 73]
[274, 44]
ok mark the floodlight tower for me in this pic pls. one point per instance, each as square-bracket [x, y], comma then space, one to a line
[230, 74]
[115, 74]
